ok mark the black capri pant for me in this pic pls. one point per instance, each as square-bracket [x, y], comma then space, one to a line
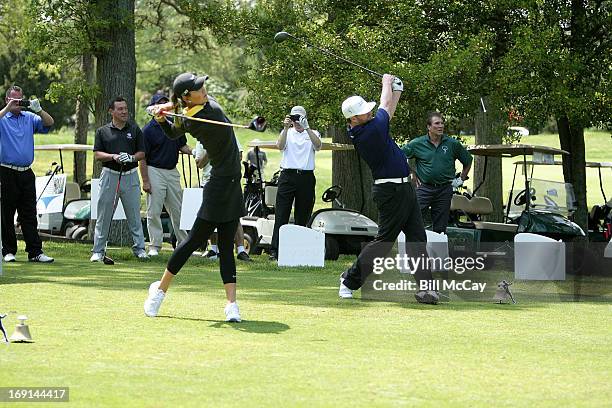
[199, 234]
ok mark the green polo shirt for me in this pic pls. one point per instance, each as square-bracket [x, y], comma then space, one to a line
[436, 165]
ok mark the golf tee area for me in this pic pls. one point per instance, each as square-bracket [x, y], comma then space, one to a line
[298, 343]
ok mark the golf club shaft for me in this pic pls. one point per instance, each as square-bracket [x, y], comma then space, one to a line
[214, 122]
[55, 170]
[336, 56]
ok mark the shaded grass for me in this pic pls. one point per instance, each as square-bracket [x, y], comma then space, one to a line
[299, 345]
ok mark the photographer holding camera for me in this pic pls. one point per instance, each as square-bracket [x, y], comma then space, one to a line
[17, 128]
[298, 143]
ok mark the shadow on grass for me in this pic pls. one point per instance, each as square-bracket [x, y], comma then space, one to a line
[248, 326]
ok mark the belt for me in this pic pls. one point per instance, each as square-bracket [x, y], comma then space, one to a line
[297, 171]
[18, 168]
[398, 180]
[123, 172]
[436, 184]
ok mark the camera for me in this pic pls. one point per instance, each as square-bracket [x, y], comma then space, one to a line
[294, 118]
[24, 103]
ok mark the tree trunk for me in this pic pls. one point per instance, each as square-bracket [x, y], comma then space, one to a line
[489, 131]
[353, 174]
[79, 170]
[116, 76]
[571, 138]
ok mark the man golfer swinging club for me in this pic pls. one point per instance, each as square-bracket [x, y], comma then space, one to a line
[222, 204]
[392, 191]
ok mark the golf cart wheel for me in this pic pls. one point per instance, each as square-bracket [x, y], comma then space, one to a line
[332, 249]
[71, 230]
[249, 245]
[80, 233]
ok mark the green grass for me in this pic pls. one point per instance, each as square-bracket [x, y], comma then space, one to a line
[598, 148]
[299, 345]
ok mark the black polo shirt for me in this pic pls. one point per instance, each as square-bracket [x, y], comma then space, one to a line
[112, 140]
[219, 141]
[161, 151]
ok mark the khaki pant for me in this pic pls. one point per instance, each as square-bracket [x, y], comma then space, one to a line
[165, 191]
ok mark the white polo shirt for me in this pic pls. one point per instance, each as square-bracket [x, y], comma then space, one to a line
[299, 151]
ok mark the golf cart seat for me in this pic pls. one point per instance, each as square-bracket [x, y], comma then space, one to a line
[73, 192]
[483, 206]
[480, 206]
[460, 203]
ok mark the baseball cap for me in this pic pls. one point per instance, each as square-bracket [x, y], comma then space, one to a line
[187, 82]
[356, 105]
[158, 97]
[298, 110]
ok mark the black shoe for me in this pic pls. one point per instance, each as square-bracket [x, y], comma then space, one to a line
[212, 255]
[243, 256]
[273, 255]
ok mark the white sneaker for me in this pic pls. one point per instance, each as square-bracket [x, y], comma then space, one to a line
[153, 252]
[9, 258]
[96, 257]
[142, 255]
[210, 254]
[42, 258]
[155, 299]
[344, 292]
[232, 313]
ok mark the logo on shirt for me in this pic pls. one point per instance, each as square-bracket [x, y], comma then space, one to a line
[129, 135]
[445, 149]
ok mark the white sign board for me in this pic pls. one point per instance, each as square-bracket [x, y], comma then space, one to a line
[52, 198]
[192, 200]
[95, 194]
[300, 246]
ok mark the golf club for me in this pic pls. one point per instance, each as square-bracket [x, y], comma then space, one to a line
[283, 35]
[106, 259]
[214, 122]
[53, 173]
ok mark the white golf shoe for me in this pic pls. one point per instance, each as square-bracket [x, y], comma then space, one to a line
[153, 251]
[232, 313]
[42, 258]
[155, 299]
[9, 258]
[96, 257]
[344, 292]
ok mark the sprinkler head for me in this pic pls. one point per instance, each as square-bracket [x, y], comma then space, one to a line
[281, 36]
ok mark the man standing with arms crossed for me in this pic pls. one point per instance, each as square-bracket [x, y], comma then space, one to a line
[435, 155]
[392, 191]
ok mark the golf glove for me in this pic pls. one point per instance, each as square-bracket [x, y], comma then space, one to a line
[35, 106]
[303, 122]
[126, 158]
[457, 182]
[397, 85]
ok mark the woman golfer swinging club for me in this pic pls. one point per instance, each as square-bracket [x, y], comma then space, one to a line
[222, 204]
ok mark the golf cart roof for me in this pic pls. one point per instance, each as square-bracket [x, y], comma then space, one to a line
[607, 165]
[68, 147]
[512, 150]
[271, 144]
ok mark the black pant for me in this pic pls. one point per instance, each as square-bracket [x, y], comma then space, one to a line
[398, 211]
[19, 194]
[298, 185]
[200, 232]
[439, 199]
